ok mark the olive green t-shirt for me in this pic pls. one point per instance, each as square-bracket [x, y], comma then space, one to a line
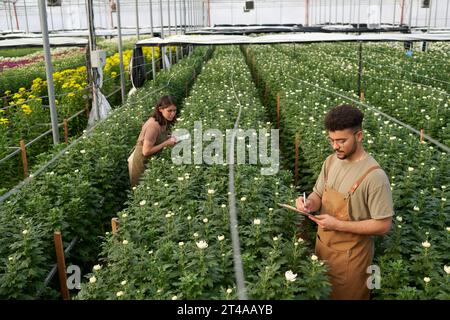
[371, 200]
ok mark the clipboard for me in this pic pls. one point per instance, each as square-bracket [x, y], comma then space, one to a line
[286, 206]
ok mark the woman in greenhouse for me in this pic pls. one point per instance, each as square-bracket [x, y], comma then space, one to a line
[153, 138]
[354, 197]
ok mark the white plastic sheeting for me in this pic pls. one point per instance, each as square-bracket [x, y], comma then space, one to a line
[37, 42]
[290, 38]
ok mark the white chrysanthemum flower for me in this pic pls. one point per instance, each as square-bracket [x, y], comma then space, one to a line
[290, 276]
[211, 191]
[195, 235]
[257, 222]
[399, 219]
[443, 199]
[243, 198]
[416, 208]
[314, 257]
[221, 238]
[150, 252]
[97, 267]
[25, 231]
[119, 294]
[223, 205]
[92, 279]
[156, 204]
[300, 240]
[124, 282]
[444, 187]
[82, 151]
[189, 217]
[426, 279]
[205, 220]
[275, 238]
[229, 290]
[202, 244]
[125, 242]
[180, 178]
[174, 298]
[410, 169]
[181, 243]
[142, 203]
[448, 229]
[426, 244]
[124, 215]
[270, 209]
[447, 269]
[76, 171]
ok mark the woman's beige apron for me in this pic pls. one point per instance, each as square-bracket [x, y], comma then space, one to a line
[137, 161]
[347, 254]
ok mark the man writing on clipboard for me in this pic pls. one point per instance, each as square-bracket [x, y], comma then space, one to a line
[354, 197]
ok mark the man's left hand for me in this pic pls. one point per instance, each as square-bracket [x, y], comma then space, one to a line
[326, 222]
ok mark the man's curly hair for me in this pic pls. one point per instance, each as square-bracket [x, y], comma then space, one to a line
[344, 116]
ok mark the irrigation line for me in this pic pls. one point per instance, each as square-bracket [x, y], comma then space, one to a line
[435, 142]
[237, 259]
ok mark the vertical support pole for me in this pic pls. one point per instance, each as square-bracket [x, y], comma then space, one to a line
[49, 71]
[410, 14]
[136, 4]
[278, 111]
[435, 15]
[24, 158]
[111, 13]
[15, 15]
[26, 15]
[307, 13]
[395, 7]
[66, 131]
[421, 135]
[122, 68]
[62, 16]
[297, 151]
[61, 265]
[184, 16]
[402, 11]
[114, 225]
[446, 14]
[381, 11]
[209, 13]
[359, 68]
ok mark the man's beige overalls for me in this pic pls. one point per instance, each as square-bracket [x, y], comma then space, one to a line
[347, 254]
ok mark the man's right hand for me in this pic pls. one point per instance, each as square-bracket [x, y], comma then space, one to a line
[303, 206]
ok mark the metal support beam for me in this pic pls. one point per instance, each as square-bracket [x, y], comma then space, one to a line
[122, 69]
[49, 71]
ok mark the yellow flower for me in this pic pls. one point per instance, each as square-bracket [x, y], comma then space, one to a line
[113, 74]
[4, 121]
[22, 89]
[7, 92]
[26, 109]
[71, 94]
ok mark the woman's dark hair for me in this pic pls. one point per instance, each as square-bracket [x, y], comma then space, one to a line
[343, 117]
[164, 102]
